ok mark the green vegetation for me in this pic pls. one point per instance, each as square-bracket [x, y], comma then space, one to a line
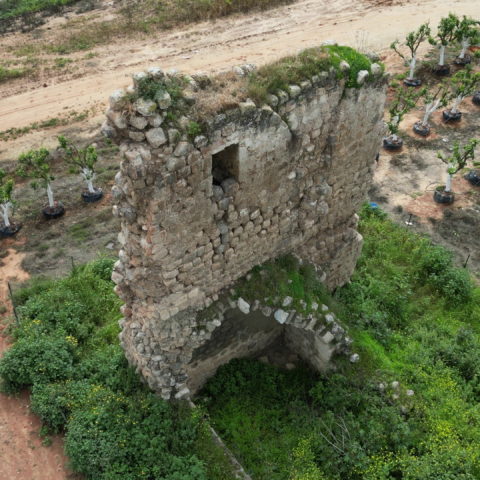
[446, 33]
[413, 40]
[72, 117]
[6, 197]
[62, 62]
[16, 8]
[405, 99]
[285, 276]
[9, 73]
[80, 160]
[37, 165]
[415, 320]
[66, 350]
[458, 159]
[295, 69]
[194, 129]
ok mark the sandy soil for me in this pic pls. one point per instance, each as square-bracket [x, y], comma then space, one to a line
[209, 46]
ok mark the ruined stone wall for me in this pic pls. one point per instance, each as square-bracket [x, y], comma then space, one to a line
[287, 177]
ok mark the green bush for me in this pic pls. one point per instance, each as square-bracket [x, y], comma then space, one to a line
[54, 402]
[75, 305]
[455, 285]
[34, 360]
[133, 437]
[109, 367]
[356, 60]
[434, 261]
[67, 350]
[295, 69]
[102, 268]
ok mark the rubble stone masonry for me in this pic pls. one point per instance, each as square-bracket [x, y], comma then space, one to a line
[198, 212]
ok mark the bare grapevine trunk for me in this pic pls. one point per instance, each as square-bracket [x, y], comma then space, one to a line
[429, 110]
[89, 175]
[456, 104]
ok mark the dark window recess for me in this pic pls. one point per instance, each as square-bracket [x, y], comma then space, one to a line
[225, 164]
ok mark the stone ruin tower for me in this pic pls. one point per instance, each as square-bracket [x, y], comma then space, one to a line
[204, 197]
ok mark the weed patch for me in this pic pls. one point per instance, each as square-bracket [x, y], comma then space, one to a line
[72, 117]
[9, 73]
[295, 69]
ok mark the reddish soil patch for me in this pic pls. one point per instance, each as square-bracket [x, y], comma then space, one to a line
[424, 207]
[22, 454]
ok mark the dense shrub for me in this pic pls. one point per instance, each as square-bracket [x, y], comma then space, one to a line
[455, 285]
[102, 268]
[34, 360]
[132, 437]
[54, 402]
[434, 261]
[436, 268]
[109, 367]
[74, 306]
[67, 351]
[350, 414]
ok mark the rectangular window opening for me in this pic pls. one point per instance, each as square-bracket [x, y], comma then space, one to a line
[225, 164]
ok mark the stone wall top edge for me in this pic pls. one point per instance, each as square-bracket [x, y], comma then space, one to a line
[132, 118]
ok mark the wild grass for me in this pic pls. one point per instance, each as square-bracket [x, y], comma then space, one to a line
[72, 117]
[295, 69]
[15, 8]
[9, 73]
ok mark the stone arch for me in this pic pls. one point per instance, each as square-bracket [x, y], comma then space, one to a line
[242, 329]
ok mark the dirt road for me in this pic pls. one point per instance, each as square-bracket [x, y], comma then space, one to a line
[214, 46]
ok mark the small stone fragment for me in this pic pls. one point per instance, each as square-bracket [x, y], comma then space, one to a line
[144, 107]
[117, 99]
[287, 301]
[294, 91]
[281, 316]
[138, 122]
[163, 99]
[376, 69]
[354, 358]
[243, 306]
[362, 76]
